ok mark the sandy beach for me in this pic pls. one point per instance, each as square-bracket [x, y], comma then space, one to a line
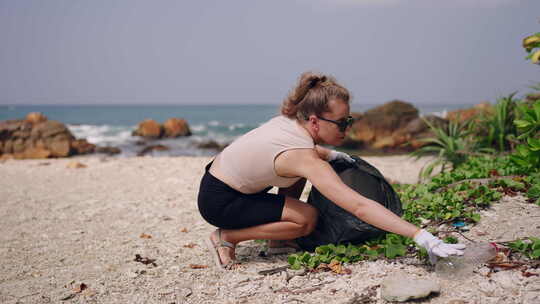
[71, 235]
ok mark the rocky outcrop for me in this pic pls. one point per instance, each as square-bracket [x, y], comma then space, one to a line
[211, 145]
[376, 128]
[173, 127]
[475, 112]
[149, 128]
[412, 135]
[108, 150]
[151, 148]
[37, 137]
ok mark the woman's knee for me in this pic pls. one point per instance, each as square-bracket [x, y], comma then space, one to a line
[309, 221]
[304, 215]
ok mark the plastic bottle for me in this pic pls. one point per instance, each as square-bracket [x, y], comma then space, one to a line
[459, 267]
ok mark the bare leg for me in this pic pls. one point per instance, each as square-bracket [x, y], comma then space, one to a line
[298, 219]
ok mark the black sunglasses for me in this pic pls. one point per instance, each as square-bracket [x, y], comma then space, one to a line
[342, 124]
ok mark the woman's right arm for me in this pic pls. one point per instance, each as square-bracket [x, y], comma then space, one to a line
[306, 163]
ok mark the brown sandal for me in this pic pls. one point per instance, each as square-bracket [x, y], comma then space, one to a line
[215, 253]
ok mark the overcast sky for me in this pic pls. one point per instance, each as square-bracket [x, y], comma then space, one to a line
[252, 52]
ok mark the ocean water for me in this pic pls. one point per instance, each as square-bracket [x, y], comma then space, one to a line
[112, 125]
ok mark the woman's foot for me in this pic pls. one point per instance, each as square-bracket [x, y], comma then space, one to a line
[223, 250]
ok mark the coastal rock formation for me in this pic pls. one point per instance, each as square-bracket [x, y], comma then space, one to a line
[37, 137]
[173, 127]
[149, 128]
[475, 112]
[410, 137]
[375, 128]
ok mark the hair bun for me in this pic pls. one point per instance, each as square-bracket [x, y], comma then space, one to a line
[313, 82]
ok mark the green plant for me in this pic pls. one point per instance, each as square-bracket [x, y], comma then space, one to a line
[531, 43]
[450, 145]
[389, 246]
[448, 197]
[533, 192]
[528, 124]
[501, 130]
[529, 247]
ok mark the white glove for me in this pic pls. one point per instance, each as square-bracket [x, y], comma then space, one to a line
[436, 247]
[334, 155]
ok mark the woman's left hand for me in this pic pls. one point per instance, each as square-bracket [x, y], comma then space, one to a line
[335, 155]
[436, 247]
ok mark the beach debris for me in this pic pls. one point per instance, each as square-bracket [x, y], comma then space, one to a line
[145, 236]
[80, 287]
[145, 261]
[77, 289]
[197, 266]
[184, 230]
[75, 165]
[190, 245]
[273, 270]
[367, 297]
[334, 266]
[68, 297]
[183, 292]
[44, 164]
[297, 291]
[400, 288]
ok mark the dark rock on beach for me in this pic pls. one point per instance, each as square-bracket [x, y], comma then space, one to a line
[149, 149]
[212, 145]
[108, 150]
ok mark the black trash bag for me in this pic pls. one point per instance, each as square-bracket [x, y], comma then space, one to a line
[337, 226]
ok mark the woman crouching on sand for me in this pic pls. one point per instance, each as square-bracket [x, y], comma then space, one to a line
[285, 152]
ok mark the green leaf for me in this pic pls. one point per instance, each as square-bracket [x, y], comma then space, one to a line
[322, 249]
[522, 124]
[304, 258]
[292, 259]
[534, 144]
[394, 250]
[296, 265]
[475, 217]
[341, 249]
[372, 254]
[534, 191]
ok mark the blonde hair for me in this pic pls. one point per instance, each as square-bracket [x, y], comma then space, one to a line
[311, 96]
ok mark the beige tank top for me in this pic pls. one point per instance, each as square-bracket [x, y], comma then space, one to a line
[247, 164]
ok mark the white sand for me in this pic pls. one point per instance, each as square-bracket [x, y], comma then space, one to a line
[61, 227]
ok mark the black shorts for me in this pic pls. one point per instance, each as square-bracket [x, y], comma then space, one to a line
[225, 207]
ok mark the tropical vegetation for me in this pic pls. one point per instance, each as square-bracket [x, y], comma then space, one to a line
[478, 161]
